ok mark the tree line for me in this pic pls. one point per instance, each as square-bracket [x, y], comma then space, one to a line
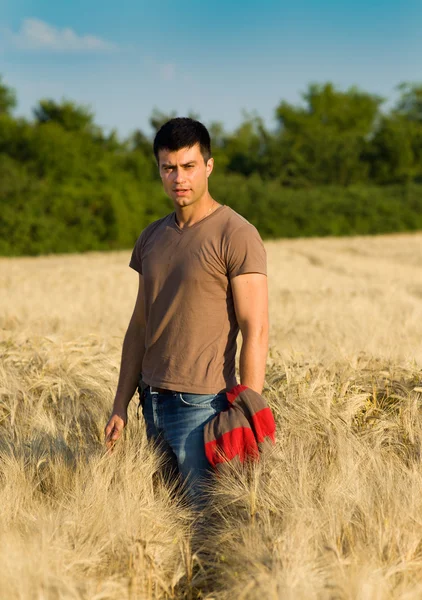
[336, 164]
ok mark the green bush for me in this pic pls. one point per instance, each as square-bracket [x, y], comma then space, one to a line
[330, 210]
[334, 166]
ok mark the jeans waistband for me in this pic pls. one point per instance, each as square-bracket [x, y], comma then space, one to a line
[161, 390]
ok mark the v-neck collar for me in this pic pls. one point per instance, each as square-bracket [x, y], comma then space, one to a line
[179, 229]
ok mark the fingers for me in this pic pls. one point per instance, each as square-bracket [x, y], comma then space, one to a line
[115, 434]
[110, 441]
[112, 438]
[108, 430]
[112, 431]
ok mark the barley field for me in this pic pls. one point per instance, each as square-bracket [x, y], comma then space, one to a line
[334, 511]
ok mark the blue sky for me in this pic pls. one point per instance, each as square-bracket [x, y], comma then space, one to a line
[123, 58]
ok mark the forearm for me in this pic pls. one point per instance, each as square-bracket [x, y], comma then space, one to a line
[130, 367]
[253, 358]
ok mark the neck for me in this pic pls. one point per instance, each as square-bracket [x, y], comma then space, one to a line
[189, 215]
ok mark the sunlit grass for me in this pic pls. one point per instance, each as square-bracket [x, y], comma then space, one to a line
[334, 510]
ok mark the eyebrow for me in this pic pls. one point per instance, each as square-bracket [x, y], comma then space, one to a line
[190, 162]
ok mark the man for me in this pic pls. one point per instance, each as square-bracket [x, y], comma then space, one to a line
[202, 276]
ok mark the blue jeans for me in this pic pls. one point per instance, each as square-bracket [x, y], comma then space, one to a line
[176, 422]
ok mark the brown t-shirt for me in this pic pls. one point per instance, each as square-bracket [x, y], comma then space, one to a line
[191, 326]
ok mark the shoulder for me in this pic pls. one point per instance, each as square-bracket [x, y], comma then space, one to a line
[150, 232]
[234, 219]
[235, 225]
[243, 250]
[152, 229]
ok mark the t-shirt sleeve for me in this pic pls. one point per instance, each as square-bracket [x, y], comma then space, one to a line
[136, 258]
[246, 252]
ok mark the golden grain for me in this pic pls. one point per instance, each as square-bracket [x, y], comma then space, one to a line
[334, 510]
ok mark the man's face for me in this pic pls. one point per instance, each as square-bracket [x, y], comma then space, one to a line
[184, 174]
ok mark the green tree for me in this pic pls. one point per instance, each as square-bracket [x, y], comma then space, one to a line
[409, 105]
[396, 148]
[68, 185]
[7, 99]
[158, 118]
[246, 148]
[324, 141]
[69, 115]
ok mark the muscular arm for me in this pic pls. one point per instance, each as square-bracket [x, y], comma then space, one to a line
[250, 295]
[130, 368]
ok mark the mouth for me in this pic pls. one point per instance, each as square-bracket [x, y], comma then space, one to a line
[181, 191]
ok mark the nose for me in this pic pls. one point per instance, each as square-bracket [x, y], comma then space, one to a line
[178, 175]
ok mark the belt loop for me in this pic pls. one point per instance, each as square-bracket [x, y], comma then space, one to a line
[142, 387]
[140, 403]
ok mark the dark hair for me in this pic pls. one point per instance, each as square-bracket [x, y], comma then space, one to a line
[182, 132]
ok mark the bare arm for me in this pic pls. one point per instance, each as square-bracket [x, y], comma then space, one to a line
[250, 295]
[130, 367]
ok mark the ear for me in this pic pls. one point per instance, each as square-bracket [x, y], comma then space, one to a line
[210, 166]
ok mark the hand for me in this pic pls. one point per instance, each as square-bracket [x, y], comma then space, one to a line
[114, 428]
